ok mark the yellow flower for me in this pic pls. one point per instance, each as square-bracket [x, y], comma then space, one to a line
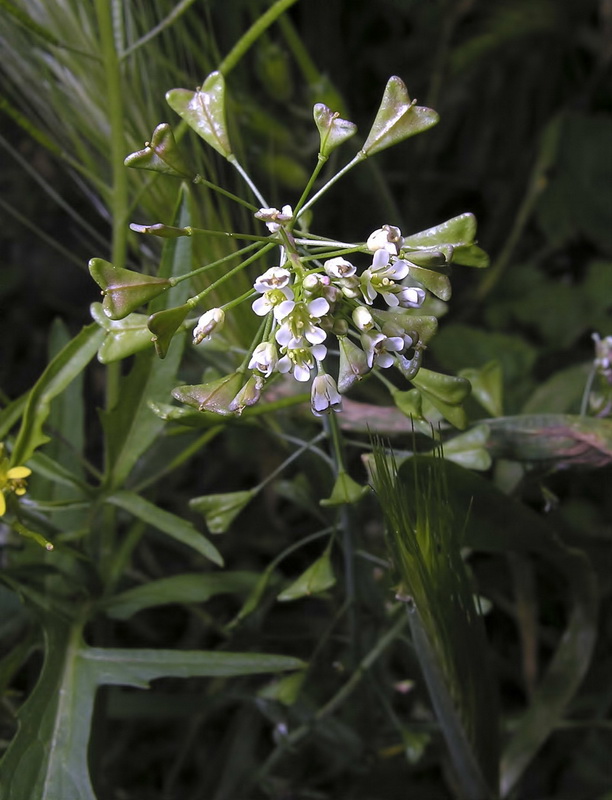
[12, 479]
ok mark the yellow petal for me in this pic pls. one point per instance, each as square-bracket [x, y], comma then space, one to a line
[17, 473]
[2, 504]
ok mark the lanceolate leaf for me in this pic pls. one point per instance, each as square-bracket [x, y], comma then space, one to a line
[131, 427]
[64, 368]
[47, 759]
[174, 526]
[186, 588]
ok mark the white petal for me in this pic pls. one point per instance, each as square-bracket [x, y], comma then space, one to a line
[283, 335]
[319, 351]
[315, 335]
[318, 307]
[261, 306]
[284, 364]
[301, 373]
[384, 360]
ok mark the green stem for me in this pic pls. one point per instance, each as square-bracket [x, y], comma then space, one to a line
[249, 38]
[321, 161]
[338, 699]
[353, 163]
[199, 180]
[118, 147]
[245, 177]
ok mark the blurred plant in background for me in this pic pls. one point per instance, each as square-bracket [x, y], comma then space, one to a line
[449, 658]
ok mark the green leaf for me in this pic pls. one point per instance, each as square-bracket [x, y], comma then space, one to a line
[48, 758]
[220, 510]
[457, 231]
[204, 111]
[345, 491]
[554, 441]
[436, 282]
[284, 690]
[487, 386]
[187, 588]
[444, 392]
[123, 338]
[161, 154]
[316, 579]
[397, 118]
[124, 290]
[131, 427]
[469, 449]
[173, 526]
[62, 370]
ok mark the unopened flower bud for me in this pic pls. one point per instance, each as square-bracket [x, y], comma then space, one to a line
[324, 395]
[387, 238]
[362, 318]
[210, 322]
[339, 268]
[264, 358]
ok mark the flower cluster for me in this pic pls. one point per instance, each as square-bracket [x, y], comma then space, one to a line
[305, 301]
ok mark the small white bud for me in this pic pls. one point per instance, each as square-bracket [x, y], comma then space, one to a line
[210, 322]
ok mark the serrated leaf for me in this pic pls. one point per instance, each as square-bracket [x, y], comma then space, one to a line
[48, 758]
[175, 527]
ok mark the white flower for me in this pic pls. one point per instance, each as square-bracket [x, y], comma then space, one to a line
[274, 218]
[387, 238]
[210, 322]
[300, 360]
[411, 297]
[264, 358]
[378, 348]
[324, 395]
[299, 322]
[362, 318]
[273, 278]
[380, 278]
[339, 268]
[272, 300]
